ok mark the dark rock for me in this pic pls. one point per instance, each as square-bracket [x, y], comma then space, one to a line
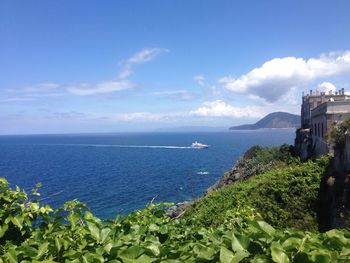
[178, 209]
[244, 168]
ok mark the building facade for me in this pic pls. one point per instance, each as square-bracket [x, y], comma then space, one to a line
[323, 119]
[319, 113]
[315, 99]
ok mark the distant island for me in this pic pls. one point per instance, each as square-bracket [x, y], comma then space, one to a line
[272, 120]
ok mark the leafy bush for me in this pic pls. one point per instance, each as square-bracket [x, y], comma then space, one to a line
[73, 234]
[285, 196]
[265, 155]
[257, 160]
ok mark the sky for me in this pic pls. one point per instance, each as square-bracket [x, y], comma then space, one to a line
[114, 66]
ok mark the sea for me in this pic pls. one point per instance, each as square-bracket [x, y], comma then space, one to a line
[122, 172]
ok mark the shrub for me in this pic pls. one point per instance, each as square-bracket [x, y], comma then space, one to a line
[73, 234]
[284, 196]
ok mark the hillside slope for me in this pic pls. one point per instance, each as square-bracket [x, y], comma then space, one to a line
[273, 189]
[273, 120]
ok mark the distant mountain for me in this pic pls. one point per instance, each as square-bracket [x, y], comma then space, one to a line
[273, 120]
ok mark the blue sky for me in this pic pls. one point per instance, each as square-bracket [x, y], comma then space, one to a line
[109, 66]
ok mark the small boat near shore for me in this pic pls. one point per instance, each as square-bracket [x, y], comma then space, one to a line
[198, 145]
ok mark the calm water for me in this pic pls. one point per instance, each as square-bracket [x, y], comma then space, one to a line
[113, 174]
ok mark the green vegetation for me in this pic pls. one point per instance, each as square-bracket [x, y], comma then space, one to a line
[285, 197]
[338, 134]
[255, 161]
[34, 233]
[277, 155]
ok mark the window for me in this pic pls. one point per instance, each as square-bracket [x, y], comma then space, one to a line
[315, 130]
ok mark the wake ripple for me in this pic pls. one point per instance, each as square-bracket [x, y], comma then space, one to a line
[122, 146]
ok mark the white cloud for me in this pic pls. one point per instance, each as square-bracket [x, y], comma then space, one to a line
[50, 89]
[326, 87]
[219, 108]
[138, 116]
[103, 87]
[278, 76]
[143, 56]
[200, 79]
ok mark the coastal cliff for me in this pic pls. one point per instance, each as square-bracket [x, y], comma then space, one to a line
[281, 188]
[254, 161]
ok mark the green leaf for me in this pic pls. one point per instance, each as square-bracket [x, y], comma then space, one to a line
[104, 234]
[239, 242]
[42, 249]
[90, 257]
[108, 247]
[266, 228]
[130, 254]
[154, 248]
[34, 206]
[144, 259]
[29, 251]
[278, 255]
[153, 227]
[11, 256]
[336, 239]
[17, 221]
[58, 244]
[227, 256]
[291, 242]
[94, 230]
[260, 259]
[3, 230]
[88, 216]
[3, 181]
[320, 256]
[204, 252]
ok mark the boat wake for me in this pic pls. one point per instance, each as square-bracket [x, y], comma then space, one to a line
[122, 146]
[202, 173]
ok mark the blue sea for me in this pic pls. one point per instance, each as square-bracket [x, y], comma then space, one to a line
[118, 173]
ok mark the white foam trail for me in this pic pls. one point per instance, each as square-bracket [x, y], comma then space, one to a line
[123, 146]
[202, 173]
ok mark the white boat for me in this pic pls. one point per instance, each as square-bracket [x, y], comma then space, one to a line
[198, 145]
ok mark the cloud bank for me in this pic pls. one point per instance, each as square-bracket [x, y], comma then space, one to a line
[219, 108]
[278, 76]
